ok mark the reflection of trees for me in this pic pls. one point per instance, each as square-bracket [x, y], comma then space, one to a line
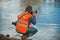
[5, 0]
[57, 0]
[30, 2]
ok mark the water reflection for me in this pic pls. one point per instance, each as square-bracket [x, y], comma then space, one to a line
[49, 13]
[47, 18]
[30, 2]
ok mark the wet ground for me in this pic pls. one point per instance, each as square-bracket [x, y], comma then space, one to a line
[48, 18]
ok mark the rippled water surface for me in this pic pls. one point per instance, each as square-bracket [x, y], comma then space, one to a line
[48, 18]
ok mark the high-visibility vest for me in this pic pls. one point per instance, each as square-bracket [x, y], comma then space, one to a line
[22, 23]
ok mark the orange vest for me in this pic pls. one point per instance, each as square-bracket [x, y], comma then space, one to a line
[22, 23]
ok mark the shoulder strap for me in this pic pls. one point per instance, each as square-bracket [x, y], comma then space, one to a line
[23, 15]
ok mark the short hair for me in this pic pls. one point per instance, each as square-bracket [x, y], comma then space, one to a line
[29, 7]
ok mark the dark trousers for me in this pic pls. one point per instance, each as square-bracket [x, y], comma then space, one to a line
[30, 32]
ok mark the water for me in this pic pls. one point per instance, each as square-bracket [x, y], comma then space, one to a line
[48, 18]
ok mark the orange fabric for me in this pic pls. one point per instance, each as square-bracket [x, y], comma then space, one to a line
[22, 23]
[23, 13]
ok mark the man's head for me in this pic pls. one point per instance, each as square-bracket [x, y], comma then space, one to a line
[28, 9]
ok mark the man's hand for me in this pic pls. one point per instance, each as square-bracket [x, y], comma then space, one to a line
[31, 25]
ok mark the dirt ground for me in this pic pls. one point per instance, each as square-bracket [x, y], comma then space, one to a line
[7, 37]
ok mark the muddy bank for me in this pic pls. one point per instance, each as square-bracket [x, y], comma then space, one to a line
[7, 37]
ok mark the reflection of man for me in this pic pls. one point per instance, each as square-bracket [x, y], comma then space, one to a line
[24, 23]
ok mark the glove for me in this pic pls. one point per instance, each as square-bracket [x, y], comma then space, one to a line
[14, 23]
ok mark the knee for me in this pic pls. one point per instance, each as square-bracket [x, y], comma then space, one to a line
[35, 30]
